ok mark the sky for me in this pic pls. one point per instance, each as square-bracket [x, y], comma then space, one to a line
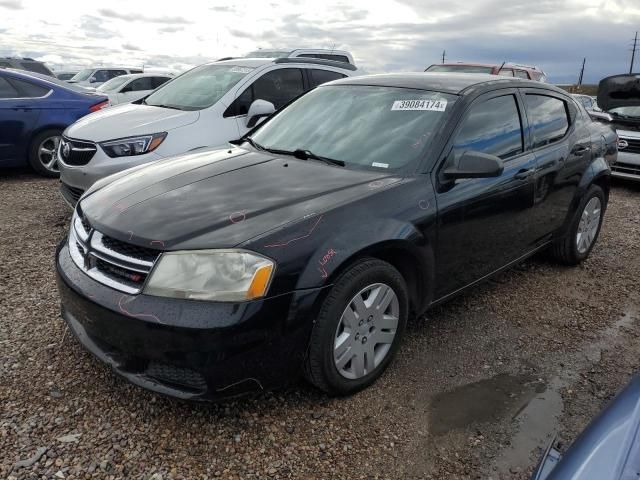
[383, 36]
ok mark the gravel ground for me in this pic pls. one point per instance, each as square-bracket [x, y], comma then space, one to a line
[479, 386]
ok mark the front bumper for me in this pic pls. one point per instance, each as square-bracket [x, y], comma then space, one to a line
[81, 177]
[627, 166]
[188, 349]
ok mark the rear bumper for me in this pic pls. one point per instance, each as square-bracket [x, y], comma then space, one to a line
[188, 349]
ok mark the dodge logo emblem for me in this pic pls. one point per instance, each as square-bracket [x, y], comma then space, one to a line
[622, 144]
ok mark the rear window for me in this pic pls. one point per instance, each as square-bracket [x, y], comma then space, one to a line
[36, 67]
[318, 77]
[549, 118]
[459, 69]
[29, 90]
[7, 90]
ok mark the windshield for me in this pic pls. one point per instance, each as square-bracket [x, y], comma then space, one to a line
[626, 111]
[113, 84]
[366, 126]
[198, 88]
[267, 54]
[82, 75]
[459, 69]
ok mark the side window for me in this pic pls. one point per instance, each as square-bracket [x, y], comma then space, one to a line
[521, 74]
[492, 126]
[143, 83]
[29, 90]
[116, 73]
[548, 117]
[318, 77]
[506, 72]
[278, 87]
[7, 90]
[101, 75]
[157, 81]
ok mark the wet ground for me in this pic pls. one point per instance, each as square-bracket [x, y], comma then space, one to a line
[480, 386]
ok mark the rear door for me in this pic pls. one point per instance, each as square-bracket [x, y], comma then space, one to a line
[561, 142]
[483, 223]
[19, 112]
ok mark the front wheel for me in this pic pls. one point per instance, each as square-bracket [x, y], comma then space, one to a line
[584, 229]
[359, 328]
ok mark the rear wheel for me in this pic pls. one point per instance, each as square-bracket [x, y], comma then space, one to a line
[584, 229]
[358, 329]
[43, 153]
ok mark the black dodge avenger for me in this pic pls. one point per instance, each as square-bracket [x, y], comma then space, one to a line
[304, 247]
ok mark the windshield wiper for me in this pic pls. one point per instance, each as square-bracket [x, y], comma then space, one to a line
[173, 107]
[307, 154]
[253, 143]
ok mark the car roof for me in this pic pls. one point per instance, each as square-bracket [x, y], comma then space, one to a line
[454, 83]
[140, 75]
[111, 67]
[258, 62]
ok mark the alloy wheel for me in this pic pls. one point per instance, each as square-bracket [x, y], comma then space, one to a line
[48, 153]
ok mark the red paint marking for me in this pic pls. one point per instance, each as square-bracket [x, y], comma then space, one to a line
[326, 259]
[135, 315]
[284, 244]
[237, 217]
[160, 242]
[424, 204]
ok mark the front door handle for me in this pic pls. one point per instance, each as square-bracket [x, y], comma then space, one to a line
[524, 174]
[580, 150]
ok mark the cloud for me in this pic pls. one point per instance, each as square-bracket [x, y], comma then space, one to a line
[107, 12]
[93, 27]
[223, 9]
[11, 4]
[170, 29]
[128, 46]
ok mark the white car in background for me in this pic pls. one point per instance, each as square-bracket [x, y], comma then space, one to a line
[94, 77]
[129, 88]
[206, 106]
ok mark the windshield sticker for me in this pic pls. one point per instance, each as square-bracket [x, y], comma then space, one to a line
[430, 105]
[380, 165]
[240, 70]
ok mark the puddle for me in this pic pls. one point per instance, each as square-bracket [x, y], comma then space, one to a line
[481, 402]
[538, 420]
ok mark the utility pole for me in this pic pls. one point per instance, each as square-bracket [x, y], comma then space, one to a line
[444, 52]
[581, 72]
[633, 52]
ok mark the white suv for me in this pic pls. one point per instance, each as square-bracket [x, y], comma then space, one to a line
[129, 88]
[206, 106]
[94, 77]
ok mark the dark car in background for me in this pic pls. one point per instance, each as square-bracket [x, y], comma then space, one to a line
[34, 110]
[527, 72]
[305, 246]
[619, 98]
[27, 64]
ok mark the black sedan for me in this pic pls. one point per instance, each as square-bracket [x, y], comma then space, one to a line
[304, 247]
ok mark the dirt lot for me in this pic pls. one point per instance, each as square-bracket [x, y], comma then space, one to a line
[478, 387]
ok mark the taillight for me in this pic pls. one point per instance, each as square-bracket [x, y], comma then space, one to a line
[99, 106]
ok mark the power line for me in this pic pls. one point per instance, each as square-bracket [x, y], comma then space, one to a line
[444, 53]
[633, 52]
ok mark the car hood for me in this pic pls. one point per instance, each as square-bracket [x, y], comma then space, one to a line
[220, 198]
[129, 120]
[619, 91]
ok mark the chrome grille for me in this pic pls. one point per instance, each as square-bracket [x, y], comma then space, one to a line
[76, 152]
[117, 264]
[633, 145]
[627, 168]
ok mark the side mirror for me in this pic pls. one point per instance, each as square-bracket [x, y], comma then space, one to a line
[93, 80]
[259, 109]
[474, 164]
[600, 116]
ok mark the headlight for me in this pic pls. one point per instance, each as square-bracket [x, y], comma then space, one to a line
[222, 275]
[126, 147]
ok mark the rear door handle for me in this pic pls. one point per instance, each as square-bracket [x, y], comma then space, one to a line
[524, 174]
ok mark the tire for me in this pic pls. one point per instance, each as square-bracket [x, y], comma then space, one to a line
[37, 157]
[321, 367]
[567, 249]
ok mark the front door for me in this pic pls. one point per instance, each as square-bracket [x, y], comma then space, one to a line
[483, 223]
